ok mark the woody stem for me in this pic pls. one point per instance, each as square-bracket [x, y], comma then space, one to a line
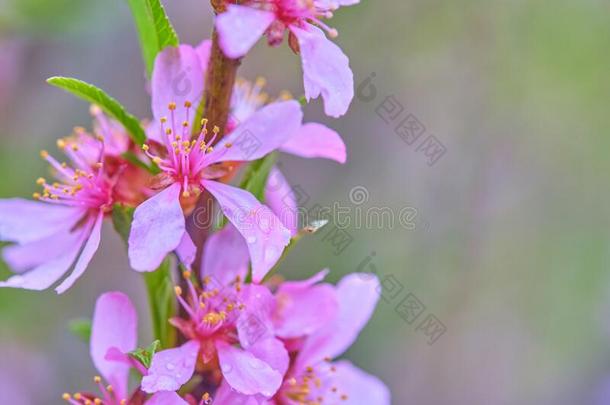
[219, 83]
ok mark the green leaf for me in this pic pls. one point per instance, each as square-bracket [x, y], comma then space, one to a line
[154, 29]
[122, 216]
[133, 159]
[145, 355]
[162, 302]
[257, 174]
[159, 283]
[108, 104]
[81, 328]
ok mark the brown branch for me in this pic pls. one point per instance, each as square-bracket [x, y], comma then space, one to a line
[219, 83]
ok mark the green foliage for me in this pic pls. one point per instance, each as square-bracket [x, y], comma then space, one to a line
[108, 104]
[257, 174]
[162, 302]
[81, 328]
[121, 219]
[159, 283]
[145, 355]
[154, 29]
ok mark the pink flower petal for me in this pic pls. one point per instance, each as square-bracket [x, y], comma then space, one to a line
[326, 70]
[263, 132]
[157, 229]
[166, 398]
[186, 250]
[315, 140]
[303, 311]
[358, 386]
[304, 284]
[91, 246]
[24, 221]
[177, 77]
[204, 50]
[273, 352]
[240, 27]
[225, 395]
[265, 235]
[255, 323]
[282, 201]
[46, 273]
[114, 325]
[358, 295]
[21, 258]
[246, 373]
[171, 368]
[225, 255]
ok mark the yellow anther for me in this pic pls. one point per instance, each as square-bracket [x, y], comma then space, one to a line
[123, 402]
[344, 397]
[66, 396]
[40, 181]
[171, 106]
[178, 290]
[186, 144]
[98, 165]
[54, 197]
[64, 164]
[36, 196]
[97, 379]
[186, 194]
[202, 305]
[206, 396]
[77, 396]
[186, 274]
[163, 120]
[210, 149]
[185, 124]
[333, 33]
[187, 104]
[79, 129]
[204, 122]
[74, 147]
[44, 154]
[94, 110]
[97, 401]
[145, 147]
[168, 131]
[216, 129]
[228, 145]
[260, 81]
[61, 144]
[157, 160]
[109, 388]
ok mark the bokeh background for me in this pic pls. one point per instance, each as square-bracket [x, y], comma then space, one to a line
[510, 248]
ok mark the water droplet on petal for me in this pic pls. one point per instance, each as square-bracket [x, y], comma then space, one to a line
[270, 254]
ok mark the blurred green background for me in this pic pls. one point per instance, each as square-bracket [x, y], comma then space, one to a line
[511, 245]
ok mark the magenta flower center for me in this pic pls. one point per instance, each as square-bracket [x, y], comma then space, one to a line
[82, 184]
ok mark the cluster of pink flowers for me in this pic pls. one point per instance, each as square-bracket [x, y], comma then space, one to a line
[245, 337]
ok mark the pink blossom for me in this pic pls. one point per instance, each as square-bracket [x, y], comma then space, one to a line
[62, 228]
[326, 70]
[312, 376]
[311, 140]
[214, 315]
[113, 336]
[190, 164]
